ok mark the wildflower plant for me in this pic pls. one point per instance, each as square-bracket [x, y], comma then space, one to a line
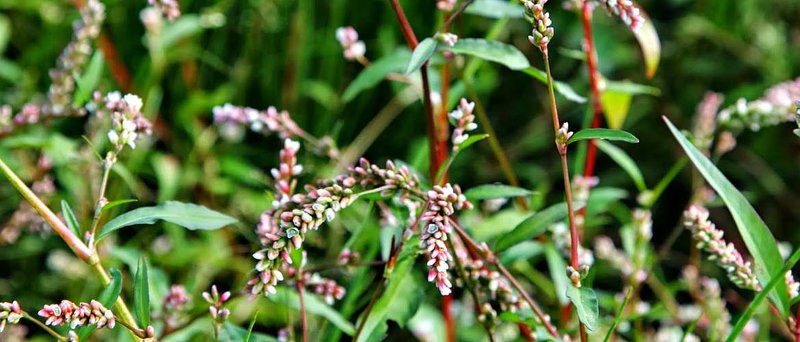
[357, 222]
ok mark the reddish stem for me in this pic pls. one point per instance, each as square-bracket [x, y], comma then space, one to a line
[594, 79]
[797, 326]
[437, 143]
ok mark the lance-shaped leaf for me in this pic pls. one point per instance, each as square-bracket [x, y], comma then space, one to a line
[491, 50]
[604, 134]
[189, 216]
[141, 293]
[651, 46]
[422, 53]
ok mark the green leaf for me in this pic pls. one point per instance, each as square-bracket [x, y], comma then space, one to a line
[754, 304]
[632, 88]
[625, 162]
[250, 328]
[603, 133]
[557, 267]
[491, 191]
[651, 46]
[376, 72]
[314, 306]
[87, 83]
[141, 293]
[189, 216]
[495, 9]
[560, 87]
[618, 317]
[532, 226]
[117, 203]
[108, 297]
[422, 53]
[615, 107]
[472, 139]
[69, 216]
[234, 333]
[754, 232]
[585, 301]
[491, 50]
[399, 294]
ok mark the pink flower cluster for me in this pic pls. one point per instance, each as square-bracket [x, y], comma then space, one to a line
[218, 313]
[170, 8]
[9, 312]
[128, 122]
[176, 298]
[267, 121]
[625, 10]
[446, 5]
[709, 238]
[285, 172]
[542, 31]
[348, 38]
[442, 203]
[79, 315]
[464, 121]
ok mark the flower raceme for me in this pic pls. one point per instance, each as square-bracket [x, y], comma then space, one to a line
[442, 203]
[78, 315]
[542, 31]
[9, 312]
[463, 120]
[348, 38]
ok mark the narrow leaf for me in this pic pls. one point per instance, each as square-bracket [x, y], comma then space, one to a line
[557, 267]
[395, 62]
[651, 46]
[141, 293]
[618, 317]
[625, 162]
[250, 328]
[491, 50]
[532, 226]
[751, 308]
[69, 216]
[757, 237]
[87, 83]
[603, 133]
[114, 204]
[495, 9]
[560, 87]
[632, 88]
[585, 301]
[189, 216]
[491, 191]
[422, 53]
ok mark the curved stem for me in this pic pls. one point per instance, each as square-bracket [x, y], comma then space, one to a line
[43, 326]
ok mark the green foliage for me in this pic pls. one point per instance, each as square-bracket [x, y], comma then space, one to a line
[189, 216]
[422, 53]
[141, 293]
[603, 134]
[585, 301]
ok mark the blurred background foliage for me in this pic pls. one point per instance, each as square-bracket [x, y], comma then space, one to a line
[283, 53]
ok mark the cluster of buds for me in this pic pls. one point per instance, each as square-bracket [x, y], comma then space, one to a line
[709, 238]
[9, 312]
[348, 257]
[446, 38]
[625, 10]
[562, 137]
[74, 57]
[286, 171]
[327, 288]
[128, 124]
[79, 315]
[169, 8]
[778, 105]
[217, 300]
[176, 299]
[542, 31]
[446, 5]
[268, 121]
[715, 316]
[354, 49]
[492, 286]
[442, 203]
[705, 122]
[464, 121]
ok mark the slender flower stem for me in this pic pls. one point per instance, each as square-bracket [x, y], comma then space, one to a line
[492, 259]
[98, 209]
[594, 80]
[43, 326]
[303, 318]
[562, 150]
[470, 286]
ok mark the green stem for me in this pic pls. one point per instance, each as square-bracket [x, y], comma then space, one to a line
[98, 208]
[125, 316]
[44, 327]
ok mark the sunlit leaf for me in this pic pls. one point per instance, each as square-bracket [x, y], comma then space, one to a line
[615, 107]
[651, 46]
